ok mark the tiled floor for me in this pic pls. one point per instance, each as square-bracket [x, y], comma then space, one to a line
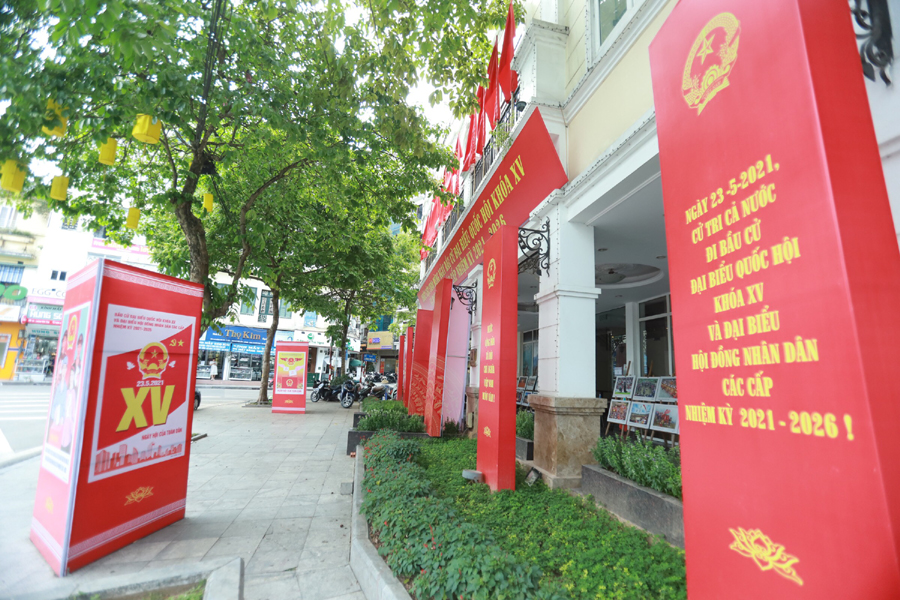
[261, 486]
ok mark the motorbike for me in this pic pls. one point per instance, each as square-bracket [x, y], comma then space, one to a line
[323, 391]
[349, 392]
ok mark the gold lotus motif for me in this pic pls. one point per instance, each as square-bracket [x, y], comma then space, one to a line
[487, 431]
[767, 555]
[138, 495]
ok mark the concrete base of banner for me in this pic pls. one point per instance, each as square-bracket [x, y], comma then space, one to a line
[374, 576]
[524, 449]
[472, 408]
[565, 432]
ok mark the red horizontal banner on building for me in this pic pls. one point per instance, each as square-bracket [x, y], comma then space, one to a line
[530, 171]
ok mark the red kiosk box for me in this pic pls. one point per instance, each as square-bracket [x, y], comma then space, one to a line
[289, 395]
[116, 450]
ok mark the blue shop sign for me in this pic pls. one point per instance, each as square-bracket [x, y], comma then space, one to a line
[220, 346]
[370, 358]
[247, 348]
[236, 333]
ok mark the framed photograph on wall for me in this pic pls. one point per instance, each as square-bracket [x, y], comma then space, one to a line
[645, 388]
[665, 418]
[668, 390]
[531, 384]
[624, 386]
[618, 411]
[639, 414]
[520, 383]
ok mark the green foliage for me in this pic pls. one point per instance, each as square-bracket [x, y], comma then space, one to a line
[451, 428]
[525, 425]
[336, 381]
[427, 543]
[645, 463]
[395, 421]
[575, 544]
[374, 403]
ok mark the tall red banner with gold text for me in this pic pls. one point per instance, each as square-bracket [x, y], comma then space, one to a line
[497, 393]
[408, 358]
[289, 391]
[784, 273]
[117, 443]
[400, 369]
[418, 376]
[434, 390]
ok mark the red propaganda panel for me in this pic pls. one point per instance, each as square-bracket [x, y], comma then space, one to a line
[497, 393]
[407, 371]
[434, 388]
[130, 338]
[400, 370]
[418, 376]
[784, 274]
[524, 178]
[289, 395]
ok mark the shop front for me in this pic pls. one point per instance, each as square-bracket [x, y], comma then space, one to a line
[11, 340]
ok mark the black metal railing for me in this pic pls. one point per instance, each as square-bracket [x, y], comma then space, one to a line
[509, 116]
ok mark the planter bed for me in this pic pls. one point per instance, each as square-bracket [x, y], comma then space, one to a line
[358, 438]
[356, 417]
[524, 449]
[651, 510]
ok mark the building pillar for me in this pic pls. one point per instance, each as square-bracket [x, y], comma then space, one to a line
[567, 411]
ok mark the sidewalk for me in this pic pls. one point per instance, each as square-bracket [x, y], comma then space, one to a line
[261, 486]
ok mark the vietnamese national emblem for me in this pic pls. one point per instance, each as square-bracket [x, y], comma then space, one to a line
[718, 44]
[153, 360]
[491, 273]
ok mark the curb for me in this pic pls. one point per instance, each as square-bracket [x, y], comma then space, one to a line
[374, 576]
[224, 581]
[20, 456]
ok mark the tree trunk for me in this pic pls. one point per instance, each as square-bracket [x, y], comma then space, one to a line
[195, 236]
[270, 340]
[347, 306]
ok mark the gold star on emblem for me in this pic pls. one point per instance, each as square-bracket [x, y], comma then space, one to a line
[181, 342]
[153, 353]
[705, 50]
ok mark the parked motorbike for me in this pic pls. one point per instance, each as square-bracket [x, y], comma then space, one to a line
[323, 391]
[349, 392]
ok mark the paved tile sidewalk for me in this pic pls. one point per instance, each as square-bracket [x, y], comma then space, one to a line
[263, 487]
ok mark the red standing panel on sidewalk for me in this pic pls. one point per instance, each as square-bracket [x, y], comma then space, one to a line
[785, 275]
[434, 390]
[122, 404]
[419, 372]
[289, 394]
[400, 369]
[407, 372]
[497, 393]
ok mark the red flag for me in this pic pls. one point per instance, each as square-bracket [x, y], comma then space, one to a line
[509, 79]
[454, 183]
[480, 137]
[431, 224]
[460, 156]
[469, 158]
[492, 98]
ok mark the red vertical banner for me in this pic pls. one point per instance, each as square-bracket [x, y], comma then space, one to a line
[400, 369]
[407, 371]
[289, 391]
[784, 272]
[456, 362]
[117, 444]
[434, 390]
[418, 375]
[497, 392]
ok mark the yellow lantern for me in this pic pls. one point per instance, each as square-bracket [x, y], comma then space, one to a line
[59, 188]
[13, 178]
[147, 129]
[108, 151]
[208, 202]
[59, 130]
[134, 215]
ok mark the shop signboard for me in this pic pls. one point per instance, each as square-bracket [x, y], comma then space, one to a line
[524, 178]
[10, 313]
[47, 295]
[309, 319]
[380, 340]
[419, 373]
[236, 333]
[44, 314]
[117, 440]
[784, 273]
[313, 338]
[216, 346]
[499, 361]
[370, 357]
[434, 390]
[247, 348]
[289, 393]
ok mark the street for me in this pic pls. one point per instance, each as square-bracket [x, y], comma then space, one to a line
[23, 412]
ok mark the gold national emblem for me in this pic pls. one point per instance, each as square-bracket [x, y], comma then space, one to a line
[491, 273]
[72, 331]
[153, 360]
[138, 495]
[717, 43]
[767, 555]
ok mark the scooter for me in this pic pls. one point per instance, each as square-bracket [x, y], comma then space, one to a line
[349, 392]
[323, 391]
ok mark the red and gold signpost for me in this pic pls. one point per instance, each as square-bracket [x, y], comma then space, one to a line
[419, 373]
[434, 390]
[117, 443]
[784, 273]
[400, 370]
[289, 391]
[407, 371]
[497, 393]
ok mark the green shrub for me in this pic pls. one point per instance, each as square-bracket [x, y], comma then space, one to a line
[339, 380]
[576, 545]
[645, 463]
[395, 421]
[427, 544]
[451, 428]
[525, 425]
[375, 403]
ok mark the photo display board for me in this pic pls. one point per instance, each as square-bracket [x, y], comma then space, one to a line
[115, 459]
[289, 392]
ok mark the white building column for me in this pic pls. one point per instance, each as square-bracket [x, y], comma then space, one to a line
[567, 411]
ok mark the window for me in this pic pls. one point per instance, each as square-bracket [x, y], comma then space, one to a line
[58, 275]
[284, 310]
[70, 223]
[7, 217]
[4, 348]
[656, 338]
[265, 305]
[609, 13]
[530, 353]
[11, 274]
[248, 308]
